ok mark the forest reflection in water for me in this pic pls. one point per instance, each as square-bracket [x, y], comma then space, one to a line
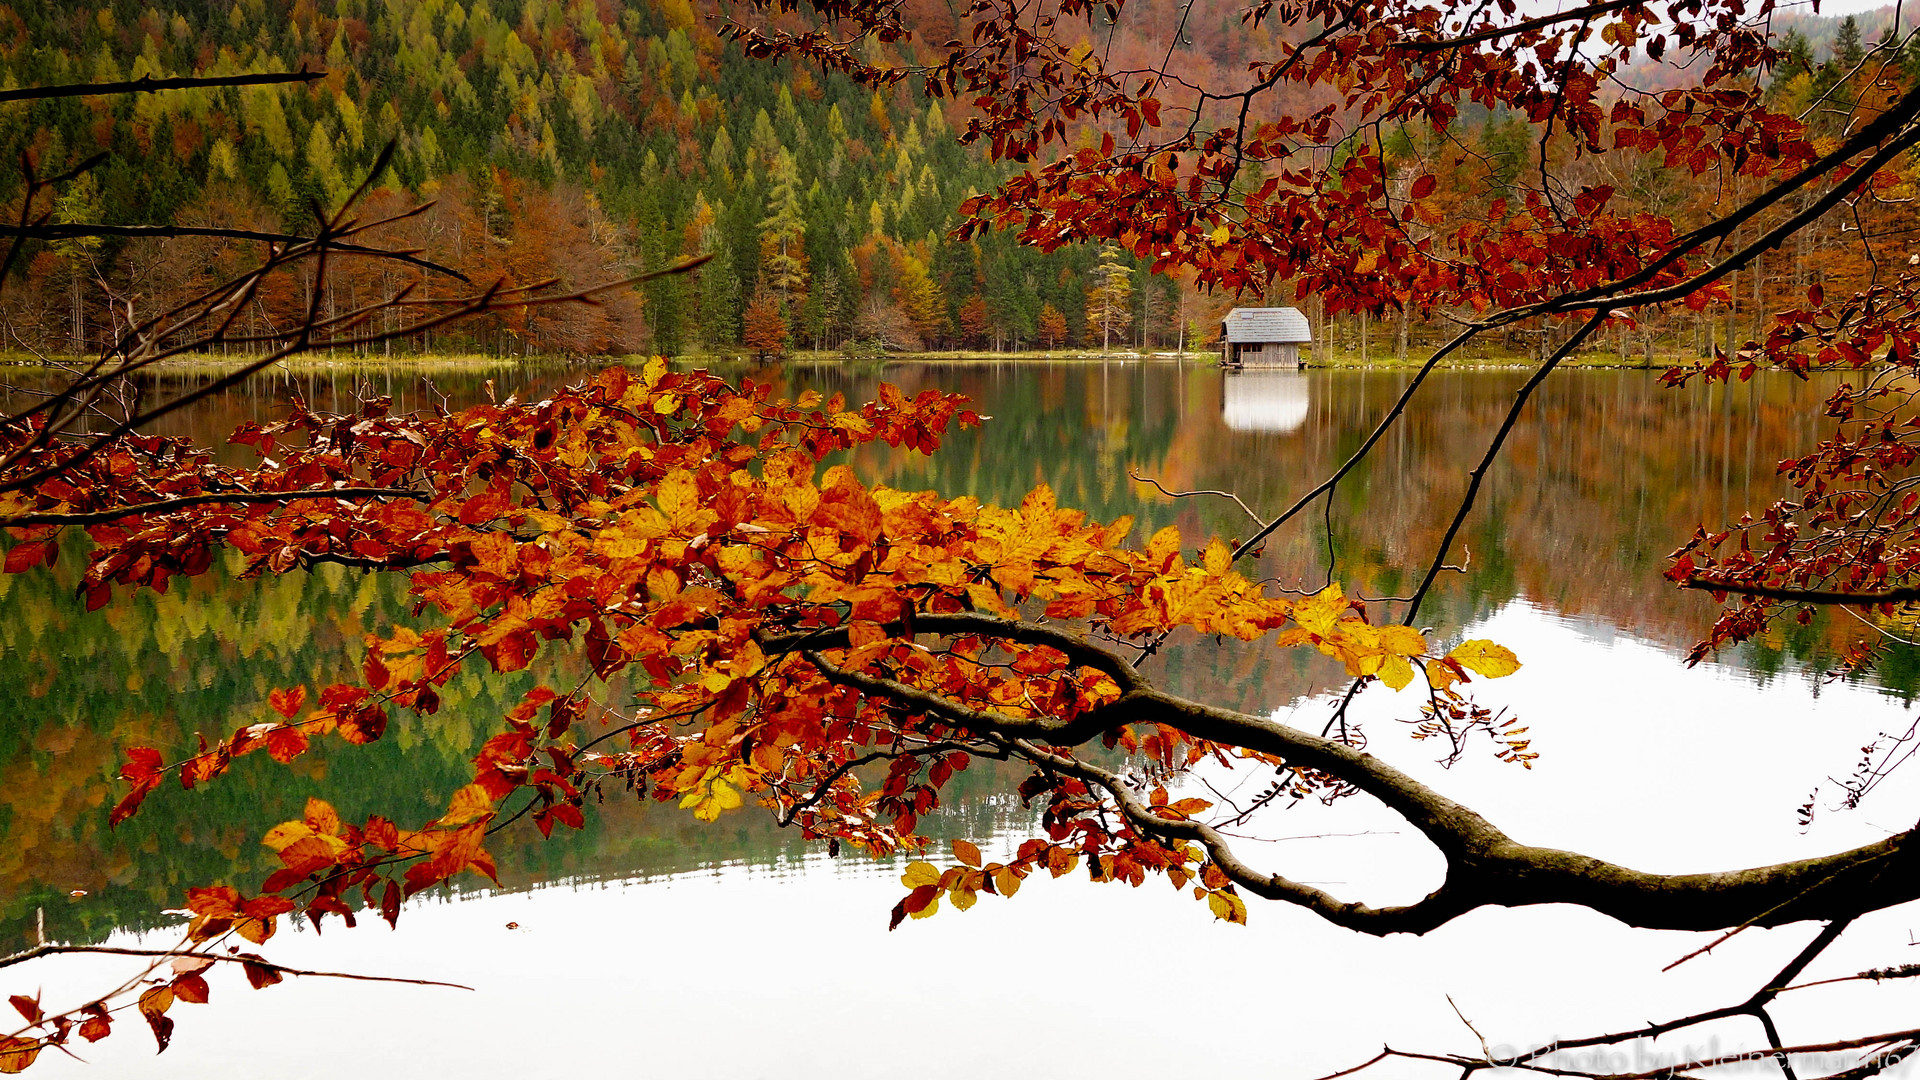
[1606, 474]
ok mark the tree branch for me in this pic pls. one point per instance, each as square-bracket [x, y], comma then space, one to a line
[1805, 596]
[148, 84]
[39, 951]
[163, 506]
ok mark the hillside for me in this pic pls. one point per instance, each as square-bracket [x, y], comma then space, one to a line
[583, 141]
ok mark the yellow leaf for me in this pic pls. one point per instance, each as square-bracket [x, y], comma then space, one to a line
[920, 874]
[1006, 882]
[286, 834]
[987, 598]
[1219, 558]
[1164, 546]
[964, 898]
[1440, 676]
[1318, 613]
[1395, 671]
[651, 374]
[1227, 906]
[1404, 640]
[322, 817]
[1485, 658]
[254, 930]
[470, 803]
[679, 495]
[157, 1000]
[1221, 235]
[933, 905]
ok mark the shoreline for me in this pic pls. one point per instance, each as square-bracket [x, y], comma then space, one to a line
[467, 362]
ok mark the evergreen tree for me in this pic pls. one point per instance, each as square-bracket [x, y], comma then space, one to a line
[1110, 301]
[783, 254]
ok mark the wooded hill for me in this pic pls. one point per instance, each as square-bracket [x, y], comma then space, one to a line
[584, 141]
[592, 140]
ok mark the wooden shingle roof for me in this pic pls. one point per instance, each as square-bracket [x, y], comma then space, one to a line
[1271, 324]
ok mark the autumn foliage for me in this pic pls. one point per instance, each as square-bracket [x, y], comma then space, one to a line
[680, 534]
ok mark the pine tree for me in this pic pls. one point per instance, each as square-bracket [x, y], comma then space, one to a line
[783, 254]
[1110, 301]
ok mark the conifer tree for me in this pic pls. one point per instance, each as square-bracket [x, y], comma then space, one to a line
[1110, 301]
[783, 253]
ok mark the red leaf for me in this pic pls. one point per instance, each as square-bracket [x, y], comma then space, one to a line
[1424, 186]
[286, 743]
[363, 726]
[287, 702]
[260, 973]
[24, 557]
[27, 1007]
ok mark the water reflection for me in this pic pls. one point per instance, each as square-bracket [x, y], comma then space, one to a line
[750, 969]
[1603, 477]
[1264, 400]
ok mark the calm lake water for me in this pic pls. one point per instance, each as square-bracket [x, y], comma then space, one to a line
[650, 944]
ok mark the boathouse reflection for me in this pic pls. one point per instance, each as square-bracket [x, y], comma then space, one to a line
[1263, 400]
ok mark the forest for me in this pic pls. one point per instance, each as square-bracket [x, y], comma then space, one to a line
[459, 637]
[589, 141]
[580, 141]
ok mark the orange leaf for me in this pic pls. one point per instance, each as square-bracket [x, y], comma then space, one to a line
[285, 743]
[287, 702]
[191, 989]
[16, 1053]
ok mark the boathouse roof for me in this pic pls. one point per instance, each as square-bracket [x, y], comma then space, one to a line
[1266, 324]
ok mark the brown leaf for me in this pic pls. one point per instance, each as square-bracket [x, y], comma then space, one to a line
[154, 1005]
[191, 989]
[16, 1053]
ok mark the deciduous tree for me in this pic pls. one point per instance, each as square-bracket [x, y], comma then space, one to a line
[1053, 327]
[835, 652]
[764, 329]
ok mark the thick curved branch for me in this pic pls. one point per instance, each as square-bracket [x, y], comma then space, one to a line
[959, 624]
[1484, 865]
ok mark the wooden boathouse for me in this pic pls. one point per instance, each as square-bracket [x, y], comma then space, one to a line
[1263, 337]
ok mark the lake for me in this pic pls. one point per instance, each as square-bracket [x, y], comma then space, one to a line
[651, 944]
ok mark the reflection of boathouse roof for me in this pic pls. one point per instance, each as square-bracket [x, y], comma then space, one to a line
[1264, 400]
[1266, 324]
